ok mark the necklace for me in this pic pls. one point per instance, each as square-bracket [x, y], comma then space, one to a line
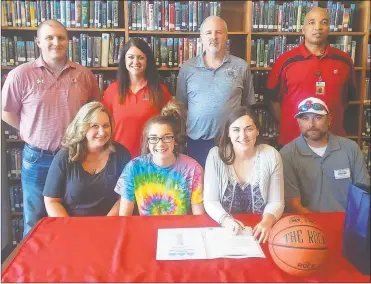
[97, 162]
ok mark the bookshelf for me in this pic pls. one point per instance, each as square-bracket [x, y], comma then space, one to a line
[238, 16]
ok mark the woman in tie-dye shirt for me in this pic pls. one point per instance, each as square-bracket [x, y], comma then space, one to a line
[162, 181]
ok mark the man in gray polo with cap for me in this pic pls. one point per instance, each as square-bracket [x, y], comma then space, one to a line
[318, 165]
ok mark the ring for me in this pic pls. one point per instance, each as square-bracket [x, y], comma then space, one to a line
[234, 229]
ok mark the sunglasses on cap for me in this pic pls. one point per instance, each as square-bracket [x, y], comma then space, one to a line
[309, 105]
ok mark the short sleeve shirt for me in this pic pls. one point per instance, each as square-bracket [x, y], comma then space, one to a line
[85, 194]
[46, 104]
[209, 93]
[314, 179]
[131, 116]
[162, 191]
[294, 77]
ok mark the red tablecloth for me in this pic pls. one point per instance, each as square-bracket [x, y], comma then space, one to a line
[123, 249]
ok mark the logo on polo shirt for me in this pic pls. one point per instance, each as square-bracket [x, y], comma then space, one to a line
[40, 81]
[336, 71]
[231, 74]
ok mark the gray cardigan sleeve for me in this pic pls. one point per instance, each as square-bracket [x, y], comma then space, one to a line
[275, 203]
[213, 185]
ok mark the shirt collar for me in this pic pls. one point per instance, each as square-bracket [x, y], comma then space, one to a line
[201, 61]
[39, 62]
[303, 148]
[305, 52]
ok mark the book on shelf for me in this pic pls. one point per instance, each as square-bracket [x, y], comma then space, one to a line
[274, 16]
[368, 91]
[71, 13]
[265, 51]
[16, 198]
[17, 229]
[15, 50]
[173, 51]
[10, 132]
[103, 82]
[259, 81]
[346, 44]
[87, 50]
[14, 162]
[366, 150]
[170, 16]
[288, 16]
[170, 82]
[268, 125]
[342, 16]
[366, 128]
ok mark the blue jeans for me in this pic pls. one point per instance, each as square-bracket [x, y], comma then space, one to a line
[35, 166]
[199, 149]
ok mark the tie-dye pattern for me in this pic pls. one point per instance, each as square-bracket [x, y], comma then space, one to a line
[162, 191]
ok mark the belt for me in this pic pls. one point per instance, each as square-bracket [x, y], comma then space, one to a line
[33, 148]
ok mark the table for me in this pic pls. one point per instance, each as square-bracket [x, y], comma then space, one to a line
[123, 249]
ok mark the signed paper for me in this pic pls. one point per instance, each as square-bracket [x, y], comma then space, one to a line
[205, 243]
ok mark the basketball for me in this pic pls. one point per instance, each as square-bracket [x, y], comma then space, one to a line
[297, 245]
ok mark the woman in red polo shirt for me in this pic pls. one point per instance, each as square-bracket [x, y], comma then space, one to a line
[136, 96]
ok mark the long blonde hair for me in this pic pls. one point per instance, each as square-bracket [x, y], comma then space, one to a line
[75, 137]
[174, 115]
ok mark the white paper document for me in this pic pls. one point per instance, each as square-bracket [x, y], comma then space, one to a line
[205, 243]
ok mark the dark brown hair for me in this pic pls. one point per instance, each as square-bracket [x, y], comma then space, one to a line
[174, 115]
[156, 96]
[226, 151]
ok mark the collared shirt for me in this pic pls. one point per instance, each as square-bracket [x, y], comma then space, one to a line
[209, 93]
[46, 104]
[293, 78]
[131, 116]
[322, 182]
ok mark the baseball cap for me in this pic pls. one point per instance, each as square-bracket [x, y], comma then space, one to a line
[312, 105]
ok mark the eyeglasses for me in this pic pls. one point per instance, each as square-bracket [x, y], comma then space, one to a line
[308, 105]
[165, 139]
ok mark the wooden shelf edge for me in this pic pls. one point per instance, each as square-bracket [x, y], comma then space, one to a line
[168, 68]
[68, 29]
[178, 33]
[14, 178]
[13, 140]
[14, 213]
[300, 33]
[102, 69]
[260, 68]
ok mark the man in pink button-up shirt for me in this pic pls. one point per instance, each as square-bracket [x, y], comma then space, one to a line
[41, 98]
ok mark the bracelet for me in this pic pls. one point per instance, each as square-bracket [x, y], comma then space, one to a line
[223, 217]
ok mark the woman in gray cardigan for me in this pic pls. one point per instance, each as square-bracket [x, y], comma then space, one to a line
[243, 177]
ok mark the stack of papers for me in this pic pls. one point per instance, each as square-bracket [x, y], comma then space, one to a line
[205, 243]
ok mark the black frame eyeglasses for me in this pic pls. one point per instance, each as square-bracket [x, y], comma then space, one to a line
[165, 139]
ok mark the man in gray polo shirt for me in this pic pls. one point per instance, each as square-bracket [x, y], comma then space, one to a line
[318, 165]
[210, 85]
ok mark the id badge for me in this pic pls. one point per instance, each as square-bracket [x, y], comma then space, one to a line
[320, 88]
[342, 173]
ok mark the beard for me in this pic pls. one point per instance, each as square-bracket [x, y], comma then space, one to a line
[315, 134]
[214, 47]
